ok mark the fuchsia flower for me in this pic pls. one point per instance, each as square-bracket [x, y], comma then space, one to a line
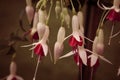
[13, 75]
[29, 11]
[114, 13]
[58, 47]
[76, 41]
[65, 16]
[97, 48]
[41, 47]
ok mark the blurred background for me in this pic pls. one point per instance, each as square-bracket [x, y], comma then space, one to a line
[65, 69]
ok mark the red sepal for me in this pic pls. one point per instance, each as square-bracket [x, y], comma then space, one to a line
[113, 15]
[74, 43]
[39, 50]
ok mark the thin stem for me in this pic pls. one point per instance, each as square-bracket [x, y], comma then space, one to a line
[115, 34]
[62, 4]
[98, 3]
[102, 21]
[73, 8]
[36, 68]
[79, 4]
[111, 34]
[49, 12]
[50, 54]
[91, 75]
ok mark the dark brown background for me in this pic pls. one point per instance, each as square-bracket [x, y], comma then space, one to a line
[65, 69]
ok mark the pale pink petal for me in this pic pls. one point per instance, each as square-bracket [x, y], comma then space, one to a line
[58, 49]
[76, 36]
[94, 59]
[61, 35]
[30, 13]
[118, 74]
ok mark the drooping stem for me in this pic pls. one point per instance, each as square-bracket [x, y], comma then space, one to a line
[102, 21]
[111, 34]
[115, 34]
[49, 12]
[79, 4]
[73, 8]
[34, 78]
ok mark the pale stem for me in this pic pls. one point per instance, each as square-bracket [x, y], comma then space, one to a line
[73, 8]
[49, 12]
[50, 54]
[111, 34]
[115, 34]
[36, 68]
[88, 39]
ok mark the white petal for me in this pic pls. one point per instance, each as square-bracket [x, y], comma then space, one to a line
[45, 49]
[76, 36]
[83, 56]
[94, 59]
[61, 34]
[58, 49]
[67, 55]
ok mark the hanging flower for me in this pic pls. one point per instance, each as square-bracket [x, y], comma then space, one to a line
[114, 13]
[13, 75]
[29, 11]
[75, 40]
[65, 17]
[57, 9]
[58, 47]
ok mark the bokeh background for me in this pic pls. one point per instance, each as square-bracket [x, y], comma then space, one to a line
[65, 69]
